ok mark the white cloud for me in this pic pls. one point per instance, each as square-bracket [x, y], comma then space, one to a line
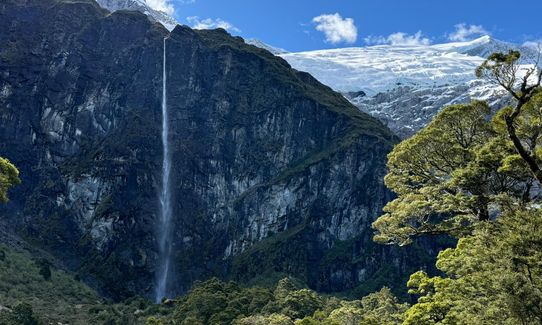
[336, 28]
[464, 32]
[161, 5]
[398, 38]
[210, 23]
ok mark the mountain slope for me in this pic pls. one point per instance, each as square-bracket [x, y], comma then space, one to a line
[141, 6]
[168, 21]
[274, 173]
[262, 45]
[403, 86]
[59, 298]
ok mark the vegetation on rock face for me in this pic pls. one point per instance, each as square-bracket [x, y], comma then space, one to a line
[54, 296]
[22, 314]
[9, 176]
[28, 297]
[247, 131]
[64, 300]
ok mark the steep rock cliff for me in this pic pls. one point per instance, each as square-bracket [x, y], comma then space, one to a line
[273, 173]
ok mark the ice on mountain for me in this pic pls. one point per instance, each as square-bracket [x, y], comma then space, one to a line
[405, 86]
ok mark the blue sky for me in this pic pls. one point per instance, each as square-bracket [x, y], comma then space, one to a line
[298, 25]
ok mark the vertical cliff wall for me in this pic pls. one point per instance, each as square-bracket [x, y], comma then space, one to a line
[273, 173]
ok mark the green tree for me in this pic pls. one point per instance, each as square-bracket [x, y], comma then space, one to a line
[493, 276]
[44, 268]
[22, 314]
[382, 308]
[379, 308]
[465, 167]
[205, 300]
[284, 287]
[218, 302]
[273, 319]
[348, 314]
[449, 176]
[300, 303]
[503, 69]
[9, 176]
[154, 321]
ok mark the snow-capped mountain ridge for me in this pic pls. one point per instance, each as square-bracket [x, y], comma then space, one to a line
[142, 6]
[405, 86]
[265, 46]
[379, 68]
[486, 45]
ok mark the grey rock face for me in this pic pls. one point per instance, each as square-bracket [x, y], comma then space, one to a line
[264, 157]
[407, 109]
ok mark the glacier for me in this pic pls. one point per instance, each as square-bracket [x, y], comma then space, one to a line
[405, 86]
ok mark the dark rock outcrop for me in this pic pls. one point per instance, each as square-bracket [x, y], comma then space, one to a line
[273, 172]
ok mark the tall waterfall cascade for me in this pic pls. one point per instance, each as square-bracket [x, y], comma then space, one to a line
[164, 227]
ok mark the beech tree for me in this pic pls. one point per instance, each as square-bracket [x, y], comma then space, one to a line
[493, 276]
[477, 176]
[457, 171]
[468, 165]
[504, 70]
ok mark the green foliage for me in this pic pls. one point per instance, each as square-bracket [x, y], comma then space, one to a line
[22, 314]
[379, 308]
[217, 302]
[493, 276]
[528, 127]
[501, 68]
[154, 321]
[61, 299]
[382, 308]
[299, 303]
[463, 168]
[457, 171]
[45, 269]
[9, 176]
[58, 299]
[273, 319]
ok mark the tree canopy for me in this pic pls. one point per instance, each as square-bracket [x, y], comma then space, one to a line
[476, 175]
[493, 276]
[459, 170]
[469, 164]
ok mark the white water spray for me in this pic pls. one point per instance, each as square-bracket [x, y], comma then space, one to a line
[164, 227]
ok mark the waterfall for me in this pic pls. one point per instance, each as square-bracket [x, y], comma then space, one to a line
[164, 226]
